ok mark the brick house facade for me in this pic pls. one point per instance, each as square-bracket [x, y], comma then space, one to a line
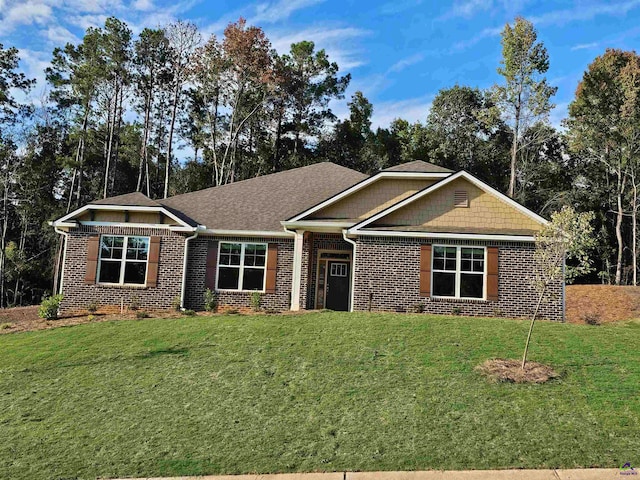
[415, 237]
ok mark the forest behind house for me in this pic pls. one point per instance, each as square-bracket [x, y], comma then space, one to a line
[169, 111]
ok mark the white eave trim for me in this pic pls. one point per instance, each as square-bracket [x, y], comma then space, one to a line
[451, 236]
[319, 224]
[366, 182]
[246, 233]
[63, 222]
[461, 174]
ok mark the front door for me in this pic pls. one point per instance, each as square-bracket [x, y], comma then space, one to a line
[337, 286]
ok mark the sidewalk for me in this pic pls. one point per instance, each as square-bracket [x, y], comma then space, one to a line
[577, 474]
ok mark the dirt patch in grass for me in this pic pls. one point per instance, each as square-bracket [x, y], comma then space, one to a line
[508, 370]
[596, 304]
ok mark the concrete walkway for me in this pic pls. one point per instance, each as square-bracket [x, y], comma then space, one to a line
[577, 474]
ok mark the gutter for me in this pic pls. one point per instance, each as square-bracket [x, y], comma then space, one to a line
[183, 288]
[64, 257]
[353, 268]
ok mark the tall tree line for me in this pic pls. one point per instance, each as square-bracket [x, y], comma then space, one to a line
[170, 111]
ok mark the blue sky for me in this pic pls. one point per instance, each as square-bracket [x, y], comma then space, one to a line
[400, 53]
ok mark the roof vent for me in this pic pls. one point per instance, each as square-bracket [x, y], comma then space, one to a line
[460, 199]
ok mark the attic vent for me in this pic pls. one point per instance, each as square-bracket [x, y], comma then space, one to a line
[460, 199]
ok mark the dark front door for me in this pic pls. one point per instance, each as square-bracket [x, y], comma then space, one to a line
[338, 286]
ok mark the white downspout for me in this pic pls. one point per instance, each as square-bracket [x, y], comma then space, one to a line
[183, 288]
[353, 269]
[64, 256]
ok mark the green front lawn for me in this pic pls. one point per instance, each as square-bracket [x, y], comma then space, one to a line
[322, 391]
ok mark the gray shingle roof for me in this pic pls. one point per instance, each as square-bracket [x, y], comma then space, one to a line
[418, 166]
[135, 199]
[261, 203]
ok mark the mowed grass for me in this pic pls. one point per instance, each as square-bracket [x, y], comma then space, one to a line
[314, 392]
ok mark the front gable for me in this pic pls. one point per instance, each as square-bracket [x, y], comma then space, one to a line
[372, 199]
[460, 204]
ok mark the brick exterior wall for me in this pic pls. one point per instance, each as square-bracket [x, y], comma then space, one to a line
[197, 267]
[388, 279]
[321, 241]
[77, 294]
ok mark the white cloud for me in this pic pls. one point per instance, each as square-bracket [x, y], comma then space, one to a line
[406, 62]
[144, 5]
[584, 12]
[333, 40]
[412, 109]
[273, 12]
[59, 35]
[26, 13]
[584, 46]
[467, 8]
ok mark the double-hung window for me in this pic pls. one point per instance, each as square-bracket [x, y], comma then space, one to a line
[458, 272]
[123, 259]
[242, 266]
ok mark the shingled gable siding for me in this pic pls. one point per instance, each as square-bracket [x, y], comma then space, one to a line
[389, 270]
[197, 268]
[78, 294]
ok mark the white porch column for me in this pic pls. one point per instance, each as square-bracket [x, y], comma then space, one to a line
[297, 270]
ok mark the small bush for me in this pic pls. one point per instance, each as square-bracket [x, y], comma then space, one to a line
[497, 312]
[256, 301]
[91, 318]
[188, 313]
[142, 314]
[49, 307]
[175, 303]
[592, 318]
[92, 307]
[417, 308]
[456, 311]
[6, 326]
[210, 300]
[134, 304]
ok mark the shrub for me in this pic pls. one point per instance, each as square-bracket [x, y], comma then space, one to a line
[91, 318]
[6, 326]
[142, 314]
[175, 303]
[188, 313]
[134, 304]
[92, 307]
[49, 307]
[417, 308]
[210, 300]
[497, 312]
[591, 318]
[256, 301]
[456, 311]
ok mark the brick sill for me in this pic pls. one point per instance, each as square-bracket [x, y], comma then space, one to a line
[121, 287]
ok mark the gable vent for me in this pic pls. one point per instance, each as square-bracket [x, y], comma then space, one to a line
[460, 199]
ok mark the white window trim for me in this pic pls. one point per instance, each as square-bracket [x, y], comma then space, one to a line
[241, 268]
[123, 261]
[459, 271]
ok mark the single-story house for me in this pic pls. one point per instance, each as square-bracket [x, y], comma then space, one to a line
[413, 236]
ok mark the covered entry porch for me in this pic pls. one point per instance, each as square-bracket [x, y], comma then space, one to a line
[324, 267]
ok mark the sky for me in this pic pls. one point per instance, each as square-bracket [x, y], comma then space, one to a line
[400, 53]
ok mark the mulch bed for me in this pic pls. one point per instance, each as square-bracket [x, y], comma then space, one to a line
[508, 370]
[602, 303]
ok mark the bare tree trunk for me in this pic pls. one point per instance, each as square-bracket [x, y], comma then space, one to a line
[145, 138]
[80, 156]
[514, 154]
[110, 128]
[117, 141]
[533, 319]
[634, 220]
[3, 238]
[619, 217]
[174, 109]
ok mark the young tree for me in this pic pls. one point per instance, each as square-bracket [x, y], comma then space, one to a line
[568, 236]
[525, 97]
